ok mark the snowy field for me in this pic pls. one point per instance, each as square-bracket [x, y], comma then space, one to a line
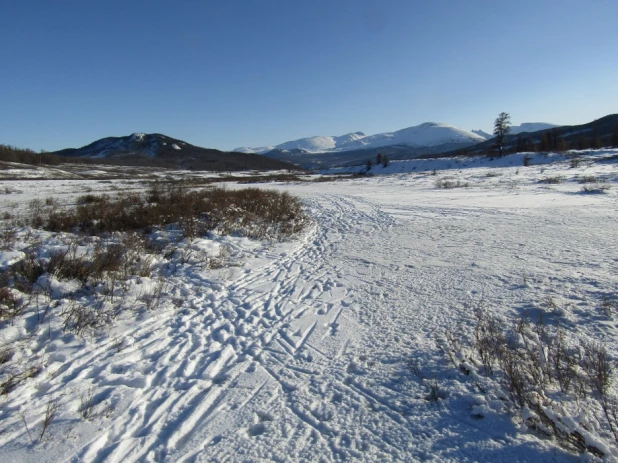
[326, 348]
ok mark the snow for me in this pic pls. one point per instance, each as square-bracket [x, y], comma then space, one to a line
[258, 150]
[176, 147]
[137, 136]
[8, 258]
[301, 350]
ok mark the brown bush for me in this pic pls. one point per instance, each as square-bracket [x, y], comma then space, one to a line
[10, 306]
[530, 361]
[252, 212]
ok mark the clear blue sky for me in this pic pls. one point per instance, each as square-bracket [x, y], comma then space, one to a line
[224, 74]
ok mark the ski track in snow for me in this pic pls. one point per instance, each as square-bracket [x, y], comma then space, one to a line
[304, 359]
[282, 326]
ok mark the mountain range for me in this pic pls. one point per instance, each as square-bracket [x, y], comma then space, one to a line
[429, 134]
[425, 140]
[356, 147]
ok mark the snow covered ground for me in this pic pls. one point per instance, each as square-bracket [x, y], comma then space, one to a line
[301, 350]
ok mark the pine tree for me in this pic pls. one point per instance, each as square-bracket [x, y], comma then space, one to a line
[502, 126]
[545, 144]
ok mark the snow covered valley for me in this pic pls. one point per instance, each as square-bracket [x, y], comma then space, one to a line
[333, 346]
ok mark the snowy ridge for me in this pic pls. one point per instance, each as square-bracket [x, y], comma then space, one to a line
[482, 133]
[310, 144]
[318, 144]
[530, 127]
[516, 129]
[427, 134]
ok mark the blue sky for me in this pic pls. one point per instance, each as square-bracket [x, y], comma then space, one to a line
[224, 74]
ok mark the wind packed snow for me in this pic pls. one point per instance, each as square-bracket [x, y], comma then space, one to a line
[300, 351]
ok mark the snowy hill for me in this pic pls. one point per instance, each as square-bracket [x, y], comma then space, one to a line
[517, 129]
[531, 127]
[137, 143]
[162, 151]
[427, 134]
[310, 144]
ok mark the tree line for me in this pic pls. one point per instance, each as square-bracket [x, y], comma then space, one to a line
[550, 140]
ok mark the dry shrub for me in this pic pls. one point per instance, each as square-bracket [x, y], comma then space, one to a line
[590, 179]
[8, 236]
[552, 180]
[81, 319]
[446, 183]
[251, 212]
[50, 414]
[11, 380]
[6, 355]
[609, 304]
[27, 271]
[575, 162]
[10, 306]
[88, 406]
[534, 364]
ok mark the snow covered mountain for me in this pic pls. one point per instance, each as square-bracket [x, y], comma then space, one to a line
[516, 129]
[482, 133]
[310, 144]
[137, 143]
[428, 134]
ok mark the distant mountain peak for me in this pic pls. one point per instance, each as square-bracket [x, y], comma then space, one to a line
[137, 136]
[531, 127]
[482, 133]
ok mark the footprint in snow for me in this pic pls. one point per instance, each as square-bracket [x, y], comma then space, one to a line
[257, 429]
